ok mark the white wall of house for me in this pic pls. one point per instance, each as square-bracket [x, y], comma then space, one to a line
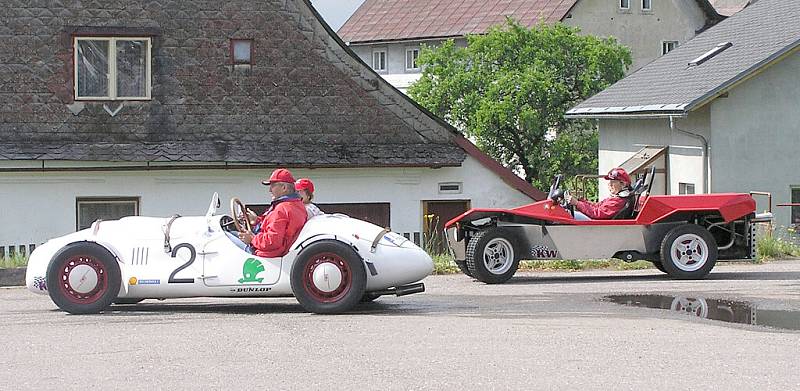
[620, 139]
[37, 206]
[756, 136]
[753, 133]
[396, 73]
[642, 31]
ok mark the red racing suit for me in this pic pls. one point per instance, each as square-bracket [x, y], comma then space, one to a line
[602, 210]
[280, 226]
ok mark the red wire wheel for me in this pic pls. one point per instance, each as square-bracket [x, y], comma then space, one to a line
[84, 278]
[328, 277]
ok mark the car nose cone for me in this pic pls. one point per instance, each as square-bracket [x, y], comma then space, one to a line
[327, 277]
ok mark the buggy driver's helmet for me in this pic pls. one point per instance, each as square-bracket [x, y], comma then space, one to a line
[618, 174]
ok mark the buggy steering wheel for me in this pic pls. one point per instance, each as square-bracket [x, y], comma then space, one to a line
[559, 196]
[239, 213]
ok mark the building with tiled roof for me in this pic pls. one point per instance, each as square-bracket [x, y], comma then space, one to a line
[729, 7]
[723, 106]
[146, 107]
[388, 34]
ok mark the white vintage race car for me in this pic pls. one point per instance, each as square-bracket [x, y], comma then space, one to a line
[336, 262]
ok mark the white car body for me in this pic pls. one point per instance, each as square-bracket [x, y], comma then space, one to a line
[162, 258]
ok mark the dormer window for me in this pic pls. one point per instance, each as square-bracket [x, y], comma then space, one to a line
[112, 68]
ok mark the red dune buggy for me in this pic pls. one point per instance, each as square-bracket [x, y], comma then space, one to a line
[682, 235]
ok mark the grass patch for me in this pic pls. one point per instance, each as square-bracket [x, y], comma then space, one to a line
[576, 265]
[14, 261]
[444, 264]
[770, 246]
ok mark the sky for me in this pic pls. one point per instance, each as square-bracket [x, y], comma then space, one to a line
[336, 12]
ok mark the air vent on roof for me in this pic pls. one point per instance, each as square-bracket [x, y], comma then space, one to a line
[710, 54]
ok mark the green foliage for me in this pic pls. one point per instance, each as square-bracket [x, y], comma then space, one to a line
[444, 264]
[575, 265]
[776, 245]
[509, 90]
[14, 261]
[432, 238]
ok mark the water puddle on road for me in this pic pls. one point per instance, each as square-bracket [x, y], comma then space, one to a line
[723, 310]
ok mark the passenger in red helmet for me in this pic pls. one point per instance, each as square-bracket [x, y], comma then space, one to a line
[305, 189]
[619, 184]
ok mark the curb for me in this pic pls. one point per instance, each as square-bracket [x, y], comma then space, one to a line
[12, 277]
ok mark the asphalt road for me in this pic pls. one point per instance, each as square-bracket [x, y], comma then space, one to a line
[539, 331]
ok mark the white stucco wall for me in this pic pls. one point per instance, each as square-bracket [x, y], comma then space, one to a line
[756, 133]
[396, 73]
[40, 205]
[753, 133]
[620, 139]
[642, 31]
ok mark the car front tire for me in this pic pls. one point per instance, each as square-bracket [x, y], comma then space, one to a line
[493, 255]
[328, 277]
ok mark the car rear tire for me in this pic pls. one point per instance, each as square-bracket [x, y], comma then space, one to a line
[688, 251]
[462, 265]
[83, 278]
[328, 277]
[493, 255]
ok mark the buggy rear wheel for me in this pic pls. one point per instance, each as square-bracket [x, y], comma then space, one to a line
[493, 255]
[83, 278]
[688, 251]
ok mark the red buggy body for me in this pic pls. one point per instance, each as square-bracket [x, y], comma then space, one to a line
[682, 235]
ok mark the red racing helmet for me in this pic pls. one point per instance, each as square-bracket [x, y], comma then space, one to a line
[618, 174]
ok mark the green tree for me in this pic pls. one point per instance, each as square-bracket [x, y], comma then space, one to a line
[509, 90]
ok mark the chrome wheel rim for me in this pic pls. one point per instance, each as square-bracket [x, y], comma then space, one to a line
[498, 256]
[689, 252]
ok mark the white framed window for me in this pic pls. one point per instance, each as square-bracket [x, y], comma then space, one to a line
[647, 5]
[624, 4]
[112, 68]
[242, 51]
[412, 54]
[795, 209]
[668, 46]
[379, 60]
[685, 188]
[90, 209]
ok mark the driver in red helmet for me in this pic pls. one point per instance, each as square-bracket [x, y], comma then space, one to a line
[619, 184]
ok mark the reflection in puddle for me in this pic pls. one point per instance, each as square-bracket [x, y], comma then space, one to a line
[724, 310]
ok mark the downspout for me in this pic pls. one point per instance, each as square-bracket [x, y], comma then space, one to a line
[706, 157]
